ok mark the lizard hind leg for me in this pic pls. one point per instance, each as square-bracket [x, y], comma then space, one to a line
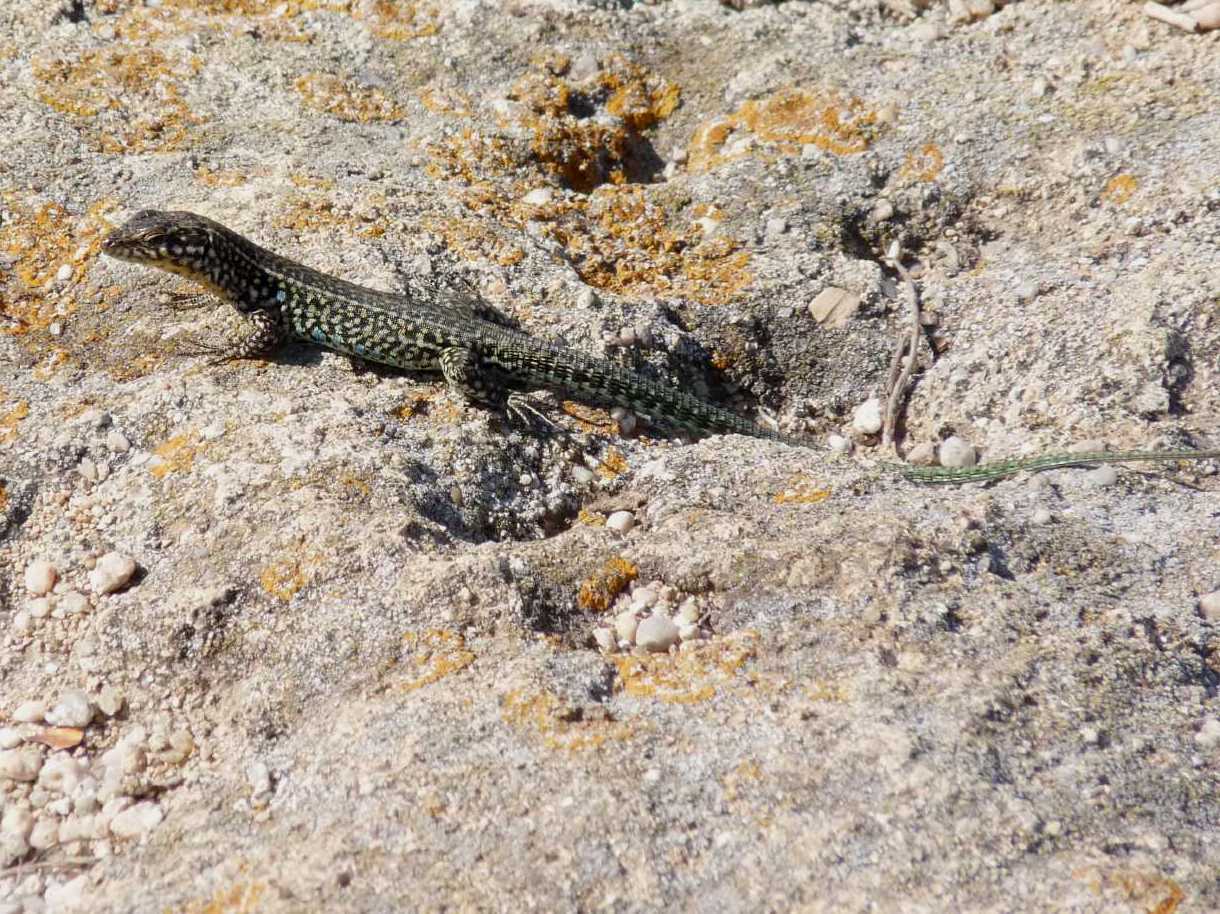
[467, 381]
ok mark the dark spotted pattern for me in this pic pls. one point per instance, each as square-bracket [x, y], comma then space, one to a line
[480, 360]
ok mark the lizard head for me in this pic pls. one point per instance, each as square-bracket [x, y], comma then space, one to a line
[177, 241]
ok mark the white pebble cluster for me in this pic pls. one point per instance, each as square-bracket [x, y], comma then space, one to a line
[55, 794]
[51, 595]
[650, 618]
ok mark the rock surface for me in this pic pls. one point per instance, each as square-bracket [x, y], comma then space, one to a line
[383, 602]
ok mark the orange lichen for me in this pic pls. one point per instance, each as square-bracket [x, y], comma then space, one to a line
[591, 518]
[303, 213]
[131, 98]
[1118, 189]
[3, 495]
[399, 20]
[780, 124]
[176, 455]
[433, 655]
[346, 101]
[560, 726]
[689, 676]
[243, 898]
[923, 164]
[229, 177]
[598, 591]
[801, 491]
[473, 240]
[613, 465]
[284, 578]
[9, 419]
[42, 240]
[586, 152]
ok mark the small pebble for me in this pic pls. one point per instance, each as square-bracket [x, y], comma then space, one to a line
[657, 633]
[110, 701]
[17, 821]
[582, 475]
[9, 738]
[136, 821]
[688, 612]
[22, 622]
[643, 598]
[64, 273]
[604, 639]
[625, 626]
[957, 453]
[1103, 476]
[1027, 291]
[587, 298]
[73, 603]
[40, 577]
[688, 632]
[117, 442]
[922, 454]
[39, 608]
[1040, 516]
[539, 196]
[621, 521]
[45, 833]
[866, 418]
[30, 712]
[834, 307]
[259, 776]
[1209, 606]
[72, 710]
[68, 896]
[883, 211]
[839, 444]
[20, 764]
[112, 572]
[776, 226]
[1208, 736]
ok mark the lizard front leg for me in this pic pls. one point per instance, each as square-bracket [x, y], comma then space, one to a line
[247, 335]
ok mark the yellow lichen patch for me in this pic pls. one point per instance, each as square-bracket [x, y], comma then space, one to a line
[598, 591]
[51, 363]
[801, 491]
[613, 465]
[176, 455]
[1148, 890]
[1118, 190]
[780, 124]
[475, 240]
[131, 97]
[284, 578]
[589, 418]
[591, 518]
[923, 164]
[686, 677]
[42, 240]
[741, 778]
[309, 214]
[330, 94]
[451, 102]
[3, 495]
[398, 20]
[228, 177]
[433, 655]
[625, 243]
[559, 726]
[243, 898]
[586, 152]
[10, 417]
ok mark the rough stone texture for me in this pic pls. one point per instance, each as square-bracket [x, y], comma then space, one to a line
[905, 699]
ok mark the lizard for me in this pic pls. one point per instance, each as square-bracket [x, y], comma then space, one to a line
[481, 360]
